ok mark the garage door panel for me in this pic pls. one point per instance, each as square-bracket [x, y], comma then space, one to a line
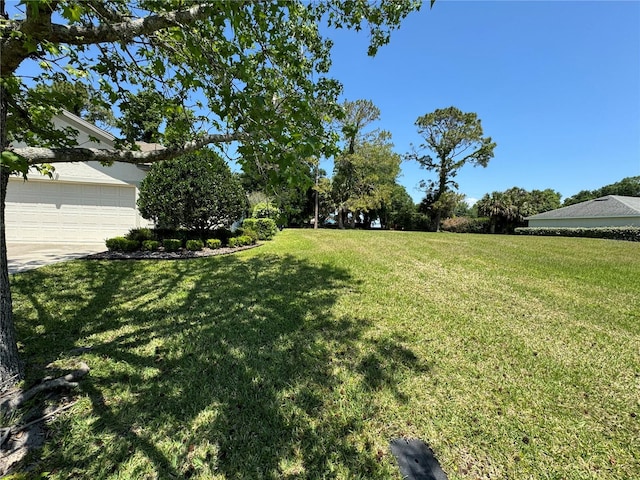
[66, 212]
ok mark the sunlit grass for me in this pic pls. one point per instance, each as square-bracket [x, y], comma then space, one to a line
[513, 357]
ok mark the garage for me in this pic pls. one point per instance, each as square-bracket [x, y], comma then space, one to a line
[54, 211]
[84, 202]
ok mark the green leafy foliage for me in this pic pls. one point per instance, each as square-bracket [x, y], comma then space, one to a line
[14, 164]
[265, 228]
[121, 244]
[140, 234]
[194, 245]
[631, 234]
[214, 243]
[256, 73]
[172, 244]
[629, 187]
[150, 245]
[265, 210]
[197, 192]
[507, 209]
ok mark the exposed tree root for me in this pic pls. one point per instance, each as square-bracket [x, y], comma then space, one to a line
[17, 440]
[68, 381]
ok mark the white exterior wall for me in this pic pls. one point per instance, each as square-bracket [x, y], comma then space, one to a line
[586, 222]
[84, 202]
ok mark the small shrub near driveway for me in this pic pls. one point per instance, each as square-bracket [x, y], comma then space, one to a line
[172, 244]
[195, 245]
[121, 244]
[140, 235]
[214, 243]
[150, 245]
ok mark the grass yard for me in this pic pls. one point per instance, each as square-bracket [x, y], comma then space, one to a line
[513, 357]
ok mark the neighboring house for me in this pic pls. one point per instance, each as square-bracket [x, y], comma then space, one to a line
[609, 211]
[84, 202]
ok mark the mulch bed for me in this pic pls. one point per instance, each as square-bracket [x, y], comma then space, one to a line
[181, 254]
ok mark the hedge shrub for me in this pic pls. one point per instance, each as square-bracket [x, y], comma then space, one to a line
[195, 245]
[631, 234]
[150, 245]
[246, 240]
[266, 228]
[140, 234]
[172, 244]
[214, 243]
[121, 244]
[466, 225]
[234, 242]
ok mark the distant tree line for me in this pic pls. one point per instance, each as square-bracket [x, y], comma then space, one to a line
[363, 188]
[629, 187]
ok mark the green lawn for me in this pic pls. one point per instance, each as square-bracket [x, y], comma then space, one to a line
[513, 357]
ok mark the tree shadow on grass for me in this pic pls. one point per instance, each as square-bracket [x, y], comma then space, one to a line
[219, 366]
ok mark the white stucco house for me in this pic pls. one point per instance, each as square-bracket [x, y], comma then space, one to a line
[84, 202]
[609, 211]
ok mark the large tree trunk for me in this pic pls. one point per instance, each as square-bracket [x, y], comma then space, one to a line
[10, 365]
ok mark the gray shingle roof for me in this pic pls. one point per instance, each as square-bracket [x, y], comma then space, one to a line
[609, 206]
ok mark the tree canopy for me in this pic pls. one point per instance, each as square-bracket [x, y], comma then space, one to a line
[252, 72]
[456, 138]
[507, 210]
[363, 181]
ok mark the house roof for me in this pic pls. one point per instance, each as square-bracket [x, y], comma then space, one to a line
[609, 206]
[76, 121]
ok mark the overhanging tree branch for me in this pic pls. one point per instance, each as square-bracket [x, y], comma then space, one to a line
[36, 155]
[38, 27]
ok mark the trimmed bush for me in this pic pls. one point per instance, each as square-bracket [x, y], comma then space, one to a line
[631, 234]
[266, 228]
[140, 234]
[150, 245]
[172, 244]
[252, 234]
[214, 243]
[245, 240]
[121, 244]
[195, 245]
[234, 242]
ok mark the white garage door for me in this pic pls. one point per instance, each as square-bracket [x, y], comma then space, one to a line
[52, 211]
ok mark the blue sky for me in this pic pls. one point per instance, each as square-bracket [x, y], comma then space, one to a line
[555, 83]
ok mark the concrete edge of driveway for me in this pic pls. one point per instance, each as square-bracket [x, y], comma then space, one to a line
[28, 256]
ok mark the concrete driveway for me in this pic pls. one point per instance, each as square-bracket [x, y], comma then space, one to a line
[27, 256]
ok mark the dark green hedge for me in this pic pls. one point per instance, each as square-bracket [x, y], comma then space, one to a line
[121, 244]
[631, 234]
